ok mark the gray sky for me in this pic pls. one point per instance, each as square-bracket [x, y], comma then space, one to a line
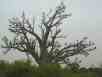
[85, 21]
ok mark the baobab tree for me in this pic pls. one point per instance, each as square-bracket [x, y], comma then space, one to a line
[44, 45]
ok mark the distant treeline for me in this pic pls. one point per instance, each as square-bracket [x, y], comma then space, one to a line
[25, 69]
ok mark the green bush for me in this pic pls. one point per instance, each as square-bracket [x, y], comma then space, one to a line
[25, 69]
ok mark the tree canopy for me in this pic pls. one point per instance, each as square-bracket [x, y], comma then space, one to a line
[44, 45]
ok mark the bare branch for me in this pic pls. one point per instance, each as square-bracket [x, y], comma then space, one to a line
[45, 47]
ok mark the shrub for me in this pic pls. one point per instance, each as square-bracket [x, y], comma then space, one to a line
[25, 69]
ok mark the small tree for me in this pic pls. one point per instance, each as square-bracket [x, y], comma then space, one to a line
[44, 47]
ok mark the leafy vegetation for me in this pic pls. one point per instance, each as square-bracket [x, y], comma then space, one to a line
[26, 69]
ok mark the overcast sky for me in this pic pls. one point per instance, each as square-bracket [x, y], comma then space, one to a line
[86, 19]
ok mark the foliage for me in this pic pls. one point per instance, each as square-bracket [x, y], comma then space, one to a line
[25, 69]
